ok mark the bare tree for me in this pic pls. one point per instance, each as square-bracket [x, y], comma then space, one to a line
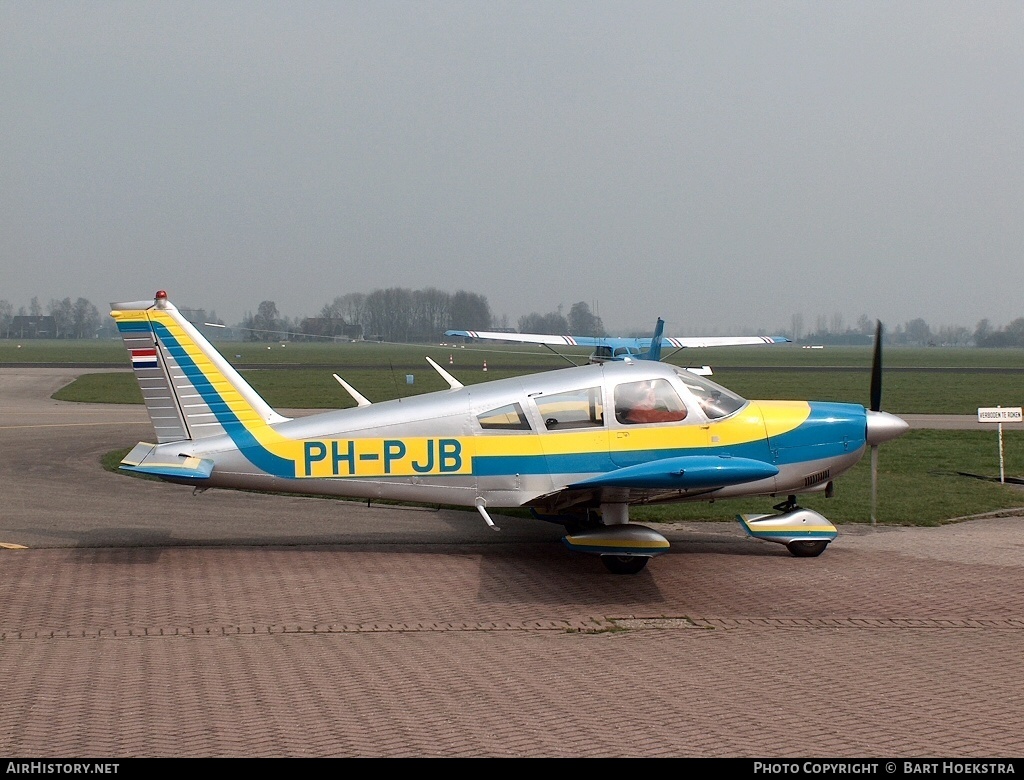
[85, 319]
[544, 323]
[63, 317]
[470, 311]
[583, 322]
[6, 316]
[796, 326]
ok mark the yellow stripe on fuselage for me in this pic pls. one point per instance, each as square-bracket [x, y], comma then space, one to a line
[782, 416]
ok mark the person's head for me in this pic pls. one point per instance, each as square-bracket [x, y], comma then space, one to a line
[645, 391]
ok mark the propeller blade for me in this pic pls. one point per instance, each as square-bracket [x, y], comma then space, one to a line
[874, 484]
[876, 371]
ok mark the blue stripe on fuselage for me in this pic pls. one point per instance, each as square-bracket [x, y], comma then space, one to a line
[576, 463]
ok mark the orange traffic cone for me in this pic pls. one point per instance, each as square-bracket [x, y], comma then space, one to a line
[450, 361]
[485, 365]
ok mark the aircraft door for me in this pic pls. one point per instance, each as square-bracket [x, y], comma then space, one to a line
[574, 438]
[652, 420]
[501, 464]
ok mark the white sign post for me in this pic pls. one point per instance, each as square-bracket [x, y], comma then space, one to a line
[999, 414]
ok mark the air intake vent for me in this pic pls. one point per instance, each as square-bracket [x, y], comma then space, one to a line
[814, 479]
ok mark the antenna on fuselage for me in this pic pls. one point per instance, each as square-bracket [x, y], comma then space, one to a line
[358, 397]
[453, 383]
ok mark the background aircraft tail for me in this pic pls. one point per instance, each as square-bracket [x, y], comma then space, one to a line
[190, 390]
[654, 352]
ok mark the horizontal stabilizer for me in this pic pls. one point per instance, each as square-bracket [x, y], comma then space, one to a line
[684, 473]
[179, 466]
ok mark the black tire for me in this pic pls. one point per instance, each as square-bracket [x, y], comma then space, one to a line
[624, 564]
[807, 549]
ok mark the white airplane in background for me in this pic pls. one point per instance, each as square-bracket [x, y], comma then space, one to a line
[619, 348]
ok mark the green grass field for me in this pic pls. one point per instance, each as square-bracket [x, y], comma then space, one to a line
[925, 478]
[942, 381]
[519, 355]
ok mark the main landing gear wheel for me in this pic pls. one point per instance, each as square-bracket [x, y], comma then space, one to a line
[806, 549]
[624, 564]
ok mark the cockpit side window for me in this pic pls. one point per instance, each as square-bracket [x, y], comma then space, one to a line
[715, 400]
[581, 408]
[648, 401]
[504, 418]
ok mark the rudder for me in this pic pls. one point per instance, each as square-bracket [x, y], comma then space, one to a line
[190, 390]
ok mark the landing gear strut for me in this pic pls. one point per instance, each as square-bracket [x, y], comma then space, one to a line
[787, 506]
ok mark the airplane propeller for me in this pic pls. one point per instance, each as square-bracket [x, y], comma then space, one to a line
[876, 406]
[882, 426]
[876, 370]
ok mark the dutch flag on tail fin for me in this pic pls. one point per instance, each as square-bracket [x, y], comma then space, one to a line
[144, 358]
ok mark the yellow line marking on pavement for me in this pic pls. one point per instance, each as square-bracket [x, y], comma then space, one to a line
[73, 425]
[9, 546]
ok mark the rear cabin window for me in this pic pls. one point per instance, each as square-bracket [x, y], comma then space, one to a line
[505, 418]
[581, 408]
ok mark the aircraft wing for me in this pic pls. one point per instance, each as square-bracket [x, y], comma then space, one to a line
[722, 341]
[613, 342]
[664, 478]
[682, 473]
[543, 338]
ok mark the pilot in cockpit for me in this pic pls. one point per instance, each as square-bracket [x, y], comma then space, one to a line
[648, 402]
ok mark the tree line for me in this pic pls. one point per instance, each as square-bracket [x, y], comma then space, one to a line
[405, 315]
[63, 319]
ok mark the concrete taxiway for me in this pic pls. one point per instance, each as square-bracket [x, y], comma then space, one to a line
[141, 620]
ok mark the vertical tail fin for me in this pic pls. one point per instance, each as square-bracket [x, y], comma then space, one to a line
[654, 353]
[190, 390]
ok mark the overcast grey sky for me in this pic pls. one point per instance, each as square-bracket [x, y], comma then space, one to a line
[722, 165]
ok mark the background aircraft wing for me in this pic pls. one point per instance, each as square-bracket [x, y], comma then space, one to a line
[723, 341]
[543, 338]
[592, 341]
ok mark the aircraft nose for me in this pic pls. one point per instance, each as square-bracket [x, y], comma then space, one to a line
[883, 427]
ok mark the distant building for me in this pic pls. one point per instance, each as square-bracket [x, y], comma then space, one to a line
[28, 326]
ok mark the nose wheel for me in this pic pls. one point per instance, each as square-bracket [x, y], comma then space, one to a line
[807, 549]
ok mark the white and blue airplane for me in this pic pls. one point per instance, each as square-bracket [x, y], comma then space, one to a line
[618, 348]
[578, 446]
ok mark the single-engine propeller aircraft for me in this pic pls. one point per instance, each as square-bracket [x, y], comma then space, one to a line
[618, 348]
[577, 445]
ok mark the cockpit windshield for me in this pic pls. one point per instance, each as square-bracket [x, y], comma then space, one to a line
[715, 400]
